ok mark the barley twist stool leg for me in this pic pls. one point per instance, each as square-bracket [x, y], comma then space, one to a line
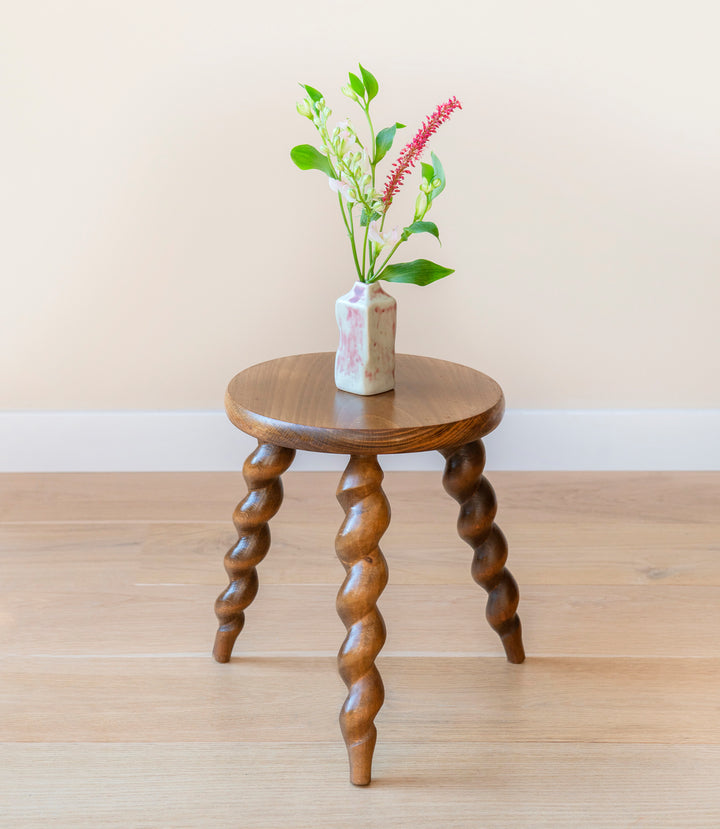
[262, 471]
[367, 516]
[464, 481]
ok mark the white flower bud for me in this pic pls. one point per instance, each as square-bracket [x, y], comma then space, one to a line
[347, 90]
[304, 109]
[421, 206]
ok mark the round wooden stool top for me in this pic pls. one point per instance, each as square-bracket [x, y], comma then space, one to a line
[293, 402]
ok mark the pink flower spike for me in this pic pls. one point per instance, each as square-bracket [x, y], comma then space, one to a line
[411, 153]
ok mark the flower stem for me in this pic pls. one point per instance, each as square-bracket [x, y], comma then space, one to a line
[351, 233]
[389, 256]
[365, 243]
[373, 162]
[348, 225]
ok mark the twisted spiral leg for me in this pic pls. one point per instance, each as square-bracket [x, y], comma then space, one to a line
[367, 516]
[464, 481]
[262, 471]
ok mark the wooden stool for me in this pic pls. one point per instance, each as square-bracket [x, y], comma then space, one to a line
[292, 403]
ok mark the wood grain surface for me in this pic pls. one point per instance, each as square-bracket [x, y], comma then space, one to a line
[464, 481]
[114, 713]
[297, 785]
[293, 402]
[367, 516]
[262, 471]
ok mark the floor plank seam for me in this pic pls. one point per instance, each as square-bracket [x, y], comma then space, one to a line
[326, 654]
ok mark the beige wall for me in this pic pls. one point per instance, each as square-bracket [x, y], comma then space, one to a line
[156, 237]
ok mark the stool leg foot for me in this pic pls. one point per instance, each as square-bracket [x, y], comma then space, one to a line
[464, 481]
[367, 516]
[360, 756]
[262, 471]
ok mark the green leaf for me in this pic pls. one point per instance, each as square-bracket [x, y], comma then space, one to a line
[384, 140]
[417, 272]
[357, 85]
[438, 173]
[312, 92]
[428, 173]
[370, 82]
[365, 219]
[306, 157]
[421, 227]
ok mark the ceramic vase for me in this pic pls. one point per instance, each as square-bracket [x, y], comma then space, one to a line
[365, 359]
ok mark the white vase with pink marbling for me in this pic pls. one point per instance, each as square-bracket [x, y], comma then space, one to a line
[365, 359]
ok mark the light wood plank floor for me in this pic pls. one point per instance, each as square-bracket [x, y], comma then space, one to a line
[113, 713]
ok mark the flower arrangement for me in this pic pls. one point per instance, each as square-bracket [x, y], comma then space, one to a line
[351, 169]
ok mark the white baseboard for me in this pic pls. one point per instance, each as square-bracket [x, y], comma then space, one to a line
[651, 439]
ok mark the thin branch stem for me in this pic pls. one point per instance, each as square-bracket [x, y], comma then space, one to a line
[365, 242]
[384, 264]
[372, 162]
[349, 226]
